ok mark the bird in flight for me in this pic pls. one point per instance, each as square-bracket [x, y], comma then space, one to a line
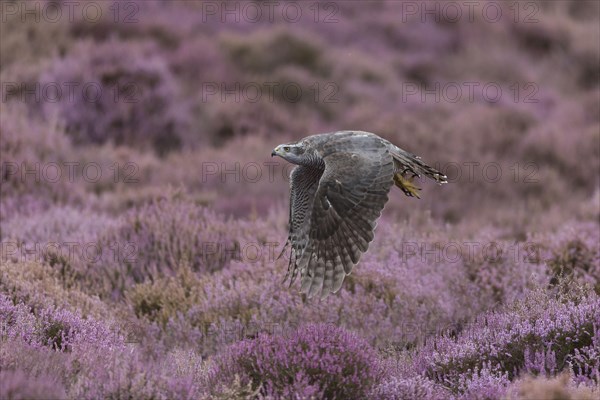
[337, 193]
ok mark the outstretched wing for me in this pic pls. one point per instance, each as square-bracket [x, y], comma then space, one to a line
[350, 196]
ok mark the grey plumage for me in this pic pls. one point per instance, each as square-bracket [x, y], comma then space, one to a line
[337, 193]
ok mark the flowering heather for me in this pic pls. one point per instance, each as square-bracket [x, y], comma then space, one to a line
[84, 355]
[399, 388]
[26, 144]
[160, 236]
[58, 224]
[575, 256]
[56, 329]
[315, 360]
[17, 384]
[133, 102]
[539, 336]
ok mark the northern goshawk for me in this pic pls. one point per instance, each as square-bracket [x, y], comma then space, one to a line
[337, 193]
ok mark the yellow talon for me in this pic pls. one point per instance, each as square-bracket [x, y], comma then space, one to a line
[406, 185]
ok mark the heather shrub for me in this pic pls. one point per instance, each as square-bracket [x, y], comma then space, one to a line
[86, 356]
[585, 362]
[571, 255]
[503, 270]
[562, 156]
[236, 390]
[483, 384]
[30, 39]
[263, 52]
[155, 239]
[140, 20]
[565, 29]
[17, 384]
[54, 328]
[542, 38]
[400, 388]
[269, 90]
[31, 151]
[299, 92]
[40, 167]
[583, 11]
[575, 260]
[199, 61]
[538, 336]
[167, 233]
[587, 60]
[315, 360]
[41, 285]
[207, 312]
[134, 376]
[61, 238]
[227, 118]
[126, 95]
[59, 224]
[161, 299]
[16, 354]
[232, 182]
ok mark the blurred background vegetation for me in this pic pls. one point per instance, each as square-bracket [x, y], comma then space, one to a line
[180, 85]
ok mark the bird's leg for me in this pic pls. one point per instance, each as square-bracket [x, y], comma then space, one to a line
[407, 185]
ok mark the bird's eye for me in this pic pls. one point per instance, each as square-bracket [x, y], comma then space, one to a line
[286, 149]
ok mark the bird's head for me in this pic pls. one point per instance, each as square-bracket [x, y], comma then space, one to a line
[292, 152]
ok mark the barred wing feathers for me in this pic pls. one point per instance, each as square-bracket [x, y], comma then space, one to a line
[332, 221]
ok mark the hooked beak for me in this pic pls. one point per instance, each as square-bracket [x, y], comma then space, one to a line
[275, 152]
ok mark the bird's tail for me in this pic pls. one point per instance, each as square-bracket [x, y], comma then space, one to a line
[409, 166]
